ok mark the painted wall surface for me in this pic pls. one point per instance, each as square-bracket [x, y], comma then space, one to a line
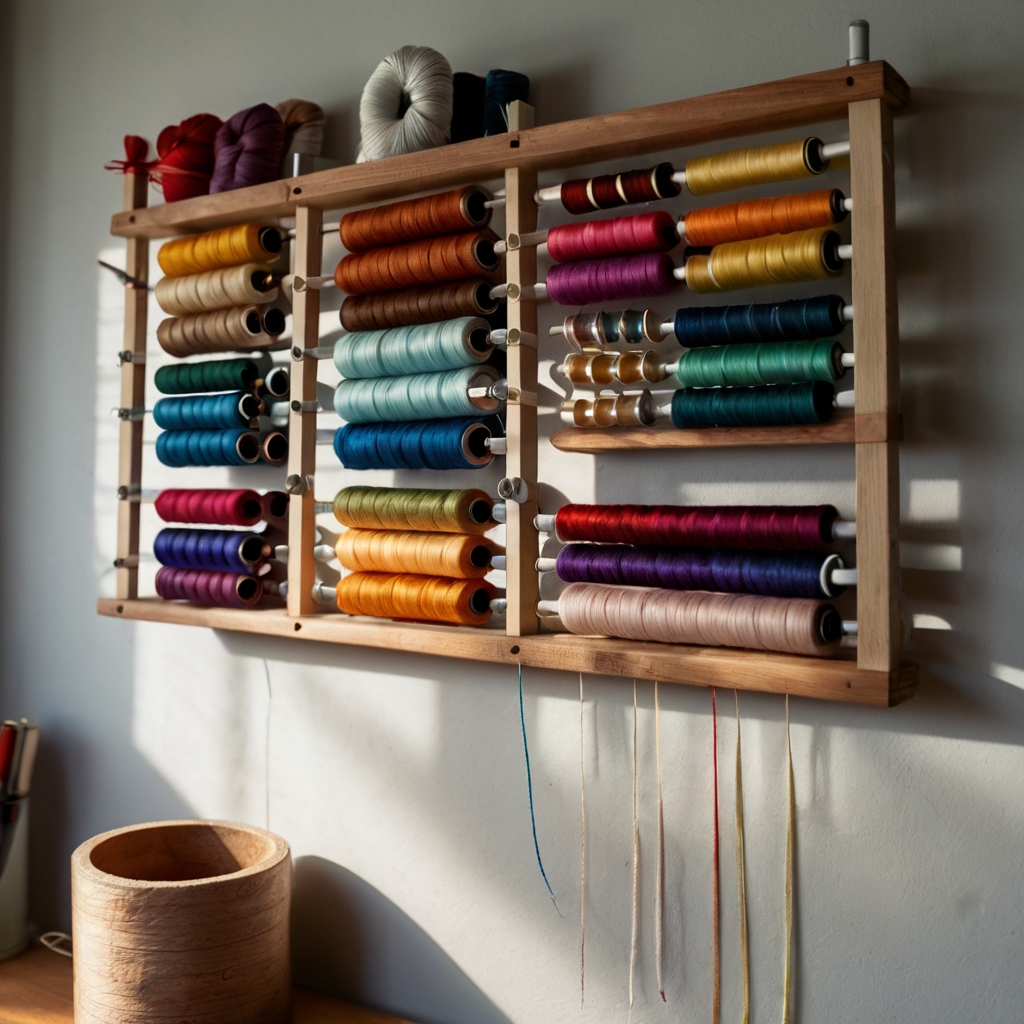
[399, 780]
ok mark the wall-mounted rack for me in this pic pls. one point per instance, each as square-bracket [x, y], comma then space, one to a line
[864, 95]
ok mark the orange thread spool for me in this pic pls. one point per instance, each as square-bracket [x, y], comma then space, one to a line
[420, 598]
[428, 261]
[424, 554]
[226, 247]
[445, 213]
[755, 218]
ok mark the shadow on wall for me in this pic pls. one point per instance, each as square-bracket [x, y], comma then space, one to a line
[351, 941]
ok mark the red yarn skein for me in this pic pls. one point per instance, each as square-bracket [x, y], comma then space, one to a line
[186, 157]
[136, 149]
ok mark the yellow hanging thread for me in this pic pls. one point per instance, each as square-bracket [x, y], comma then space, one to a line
[426, 554]
[757, 165]
[226, 247]
[418, 598]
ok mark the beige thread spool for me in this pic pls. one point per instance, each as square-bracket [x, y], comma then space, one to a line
[216, 289]
[182, 920]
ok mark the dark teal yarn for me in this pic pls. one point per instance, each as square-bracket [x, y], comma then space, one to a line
[787, 362]
[773, 405]
[207, 447]
[501, 89]
[793, 320]
[206, 412]
[215, 375]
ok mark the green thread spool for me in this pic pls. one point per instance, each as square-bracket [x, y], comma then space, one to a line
[414, 508]
[770, 405]
[769, 363]
[218, 375]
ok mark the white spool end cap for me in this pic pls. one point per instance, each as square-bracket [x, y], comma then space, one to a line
[547, 607]
[545, 524]
[844, 577]
[281, 553]
[844, 529]
[849, 359]
[498, 562]
[844, 400]
[324, 553]
[324, 593]
[859, 43]
[546, 564]
[497, 445]
[845, 252]
[499, 513]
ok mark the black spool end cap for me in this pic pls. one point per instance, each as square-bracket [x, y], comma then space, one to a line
[830, 624]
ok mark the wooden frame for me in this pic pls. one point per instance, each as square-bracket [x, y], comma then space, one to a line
[864, 95]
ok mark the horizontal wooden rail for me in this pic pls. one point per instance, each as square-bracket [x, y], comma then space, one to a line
[771, 106]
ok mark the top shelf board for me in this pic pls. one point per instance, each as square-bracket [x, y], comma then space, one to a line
[772, 106]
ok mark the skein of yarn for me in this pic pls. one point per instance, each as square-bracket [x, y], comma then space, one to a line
[186, 157]
[303, 130]
[502, 88]
[248, 149]
[406, 104]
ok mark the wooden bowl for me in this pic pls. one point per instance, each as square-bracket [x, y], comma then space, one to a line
[181, 921]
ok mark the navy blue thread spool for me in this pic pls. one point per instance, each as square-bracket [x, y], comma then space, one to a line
[793, 320]
[769, 405]
[220, 550]
[500, 89]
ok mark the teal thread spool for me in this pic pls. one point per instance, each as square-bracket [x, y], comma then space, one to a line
[771, 405]
[771, 363]
[423, 348]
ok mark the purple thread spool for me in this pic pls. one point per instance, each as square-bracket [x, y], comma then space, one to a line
[608, 280]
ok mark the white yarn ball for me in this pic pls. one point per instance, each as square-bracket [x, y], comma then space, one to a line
[413, 75]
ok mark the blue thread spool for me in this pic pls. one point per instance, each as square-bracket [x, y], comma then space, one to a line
[423, 348]
[500, 89]
[220, 550]
[207, 447]
[793, 320]
[439, 444]
[207, 412]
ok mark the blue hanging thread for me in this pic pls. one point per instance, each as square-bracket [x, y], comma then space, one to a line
[500, 89]
[425, 444]
[207, 447]
[418, 396]
[222, 550]
[205, 412]
[772, 405]
[529, 793]
[793, 320]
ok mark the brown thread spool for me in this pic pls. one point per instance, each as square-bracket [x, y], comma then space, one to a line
[757, 165]
[412, 219]
[240, 329]
[226, 247]
[428, 261]
[419, 598]
[425, 305]
[243, 285]
[426, 554]
[755, 218]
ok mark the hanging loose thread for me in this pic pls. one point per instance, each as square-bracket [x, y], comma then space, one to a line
[424, 305]
[634, 938]
[529, 793]
[414, 508]
[225, 247]
[659, 891]
[741, 870]
[716, 938]
[423, 348]
[583, 859]
[787, 984]
[425, 444]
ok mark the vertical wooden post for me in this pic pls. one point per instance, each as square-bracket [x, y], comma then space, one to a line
[876, 342]
[302, 425]
[521, 420]
[133, 397]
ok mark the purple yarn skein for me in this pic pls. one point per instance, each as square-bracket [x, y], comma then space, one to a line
[618, 277]
[248, 149]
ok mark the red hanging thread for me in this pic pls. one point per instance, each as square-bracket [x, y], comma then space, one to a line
[136, 149]
[185, 152]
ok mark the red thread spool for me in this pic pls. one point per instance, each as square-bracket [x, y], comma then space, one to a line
[621, 236]
[757, 218]
[218, 507]
[185, 152]
[584, 195]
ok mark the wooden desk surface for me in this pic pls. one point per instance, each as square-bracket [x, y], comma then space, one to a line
[35, 988]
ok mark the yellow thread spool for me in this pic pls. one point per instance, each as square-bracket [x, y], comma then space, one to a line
[758, 165]
[426, 554]
[226, 247]
[420, 598]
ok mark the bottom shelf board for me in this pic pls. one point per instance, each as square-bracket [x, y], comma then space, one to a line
[824, 678]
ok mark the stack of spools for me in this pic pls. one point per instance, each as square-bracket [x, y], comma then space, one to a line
[737, 576]
[763, 379]
[221, 295]
[419, 385]
[415, 553]
[230, 568]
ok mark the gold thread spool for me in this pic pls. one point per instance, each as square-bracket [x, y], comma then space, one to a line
[240, 329]
[226, 247]
[243, 285]
[420, 598]
[415, 508]
[424, 554]
[757, 165]
[610, 411]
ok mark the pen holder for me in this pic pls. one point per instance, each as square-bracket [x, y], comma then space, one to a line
[182, 920]
[13, 877]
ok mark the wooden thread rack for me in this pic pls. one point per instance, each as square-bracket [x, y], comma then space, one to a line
[864, 95]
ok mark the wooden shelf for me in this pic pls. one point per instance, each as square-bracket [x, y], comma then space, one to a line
[789, 103]
[824, 678]
[35, 988]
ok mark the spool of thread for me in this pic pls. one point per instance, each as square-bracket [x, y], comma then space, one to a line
[771, 573]
[248, 149]
[793, 320]
[234, 409]
[419, 598]
[586, 330]
[418, 396]
[610, 411]
[622, 277]
[274, 448]
[216, 289]
[215, 375]
[431, 510]
[275, 508]
[303, 131]
[426, 444]
[774, 363]
[422, 348]
[756, 527]
[406, 104]
[424, 305]
[276, 385]
[185, 157]
[501, 89]
[620, 236]
[217, 550]
[225, 247]
[774, 405]
[242, 328]
[427, 261]
[208, 447]
[201, 586]
[210, 505]
[626, 368]
[605, 192]
[423, 554]
[811, 255]
[755, 218]
[757, 165]
[788, 625]
[446, 213]
[467, 107]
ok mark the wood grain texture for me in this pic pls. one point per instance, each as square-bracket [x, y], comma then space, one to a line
[302, 425]
[182, 920]
[824, 678]
[36, 988]
[771, 106]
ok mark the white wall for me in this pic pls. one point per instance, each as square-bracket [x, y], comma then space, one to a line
[399, 780]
